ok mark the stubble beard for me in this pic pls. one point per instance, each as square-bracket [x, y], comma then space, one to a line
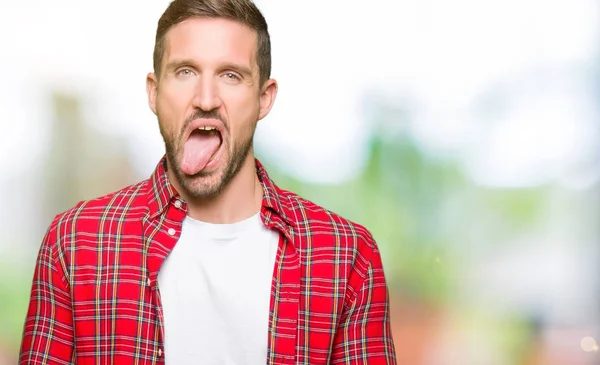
[205, 185]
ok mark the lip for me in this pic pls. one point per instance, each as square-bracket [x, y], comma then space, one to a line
[197, 123]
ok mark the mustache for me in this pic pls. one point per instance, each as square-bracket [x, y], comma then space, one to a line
[203, 114]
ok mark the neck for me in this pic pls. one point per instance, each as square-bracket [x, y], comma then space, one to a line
[240, 199]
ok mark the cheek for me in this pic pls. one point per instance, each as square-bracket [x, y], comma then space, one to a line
[243, 110]
[171, 106]
[170, 102]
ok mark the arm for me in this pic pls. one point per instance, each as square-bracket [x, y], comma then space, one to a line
[48, 331]
[364, 334]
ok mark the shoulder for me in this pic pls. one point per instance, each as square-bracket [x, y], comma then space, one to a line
[89, 216]
[327, 228]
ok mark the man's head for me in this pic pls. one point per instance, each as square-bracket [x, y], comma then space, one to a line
[209, 88]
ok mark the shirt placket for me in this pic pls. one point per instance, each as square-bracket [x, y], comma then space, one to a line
[285, 298]
[159, 245]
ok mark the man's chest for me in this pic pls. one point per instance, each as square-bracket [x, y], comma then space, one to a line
[119, 304]
[215, 291]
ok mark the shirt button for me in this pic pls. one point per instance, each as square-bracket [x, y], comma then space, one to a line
[171, 232]
[159, 352]
[148, 282]
[177, 204]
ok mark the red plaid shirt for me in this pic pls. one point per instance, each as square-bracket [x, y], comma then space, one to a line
[95, 297]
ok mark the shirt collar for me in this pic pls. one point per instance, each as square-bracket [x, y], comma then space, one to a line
[273, 197]
[161, 193]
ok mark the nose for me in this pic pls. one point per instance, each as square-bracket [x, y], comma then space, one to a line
[207, 95]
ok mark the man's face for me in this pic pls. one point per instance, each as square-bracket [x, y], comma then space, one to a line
[208, 101]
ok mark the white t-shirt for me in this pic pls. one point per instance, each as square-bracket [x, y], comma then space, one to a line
[215, 288]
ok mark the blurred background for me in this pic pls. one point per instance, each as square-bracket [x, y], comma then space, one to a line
[464, 134]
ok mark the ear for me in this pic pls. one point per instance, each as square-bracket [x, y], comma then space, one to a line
[152, 90]
[267, 97]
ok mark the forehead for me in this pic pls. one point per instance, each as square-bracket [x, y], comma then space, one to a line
[206, 40]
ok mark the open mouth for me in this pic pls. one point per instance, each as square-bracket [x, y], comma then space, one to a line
[207, 133]
[200, 148]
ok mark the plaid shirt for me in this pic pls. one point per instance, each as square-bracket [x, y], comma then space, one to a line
[95, 297]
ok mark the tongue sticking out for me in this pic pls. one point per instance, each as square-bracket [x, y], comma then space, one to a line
[198, 150]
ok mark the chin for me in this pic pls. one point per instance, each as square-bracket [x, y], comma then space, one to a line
[206, 184]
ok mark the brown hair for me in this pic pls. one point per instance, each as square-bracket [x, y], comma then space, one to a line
[243, 11]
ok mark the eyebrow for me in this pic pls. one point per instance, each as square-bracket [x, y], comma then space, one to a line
[246, 71]
[175, 64]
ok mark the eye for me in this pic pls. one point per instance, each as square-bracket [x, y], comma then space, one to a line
[231, 76]
[185, 72]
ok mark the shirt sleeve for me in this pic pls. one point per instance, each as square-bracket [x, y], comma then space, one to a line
[48, 330]
[364, 334]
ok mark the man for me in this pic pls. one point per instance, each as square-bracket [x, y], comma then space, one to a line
[208, 261]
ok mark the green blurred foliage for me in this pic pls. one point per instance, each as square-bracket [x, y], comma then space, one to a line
[14, 298]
